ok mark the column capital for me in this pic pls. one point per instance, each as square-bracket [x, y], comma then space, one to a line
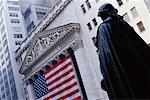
[29, 81]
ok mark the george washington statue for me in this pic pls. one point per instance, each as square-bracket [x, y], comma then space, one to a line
[124, 57]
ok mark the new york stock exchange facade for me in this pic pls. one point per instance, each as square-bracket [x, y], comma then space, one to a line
[57, 59]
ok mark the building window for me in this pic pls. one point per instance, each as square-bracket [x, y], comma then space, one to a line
[119, 2]
[4, 70]
[9, 97]
[40, 14]
[10, 73]
[16, 29]
[14, 8]
[94, 21]
[8, 58]
[88, 4]
[27, 13]
[94, 40]
[25, 90]
[14, 20]
[13, 14]
[41, 9]
[5, 43]
[2, 88]
[6, 50]
[1, 56]
[89, 26]
[31, 26]
[6, 83]
[0, 49]
[3, 63]
[1, 81]
[126, 17]
[11, 80]
[17, 42]
[141, 26]
[18, 36]
[13, 2]
[4, 36]
[134, 12]
[83, 8]
[3, 95]
[14, 92]
[9, 63]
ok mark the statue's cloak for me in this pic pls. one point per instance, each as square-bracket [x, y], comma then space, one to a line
[124, 60]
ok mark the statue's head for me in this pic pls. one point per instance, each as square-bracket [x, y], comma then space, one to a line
[107, 10]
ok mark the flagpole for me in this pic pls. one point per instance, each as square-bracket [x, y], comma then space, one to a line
[71, 53]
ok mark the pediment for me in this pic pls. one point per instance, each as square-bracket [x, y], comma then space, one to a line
[44, 40]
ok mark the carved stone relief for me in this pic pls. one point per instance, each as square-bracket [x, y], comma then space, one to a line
[48, 40]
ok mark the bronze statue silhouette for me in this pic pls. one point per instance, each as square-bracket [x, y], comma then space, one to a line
[124, 57]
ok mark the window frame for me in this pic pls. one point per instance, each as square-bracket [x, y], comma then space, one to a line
[83, 8]
[94, 22]
[140, 26]
[88, 4]
[89, 26]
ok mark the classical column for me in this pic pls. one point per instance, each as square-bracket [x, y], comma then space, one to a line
[30, 89]
[85, 70]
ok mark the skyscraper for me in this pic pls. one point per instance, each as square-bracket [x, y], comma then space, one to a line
[33, 11]
[11, 34]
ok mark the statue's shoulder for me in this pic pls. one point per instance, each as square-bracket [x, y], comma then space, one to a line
[105, 24]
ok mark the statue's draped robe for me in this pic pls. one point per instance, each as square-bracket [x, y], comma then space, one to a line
[124, 60]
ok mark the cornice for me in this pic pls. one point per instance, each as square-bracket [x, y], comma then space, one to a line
[30, 72]
[46, 42]
[45, 22]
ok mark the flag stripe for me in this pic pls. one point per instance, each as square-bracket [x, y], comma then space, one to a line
[64, 82]
[63, 86]
[57, 64]
[63, 90]
[74, 96]
[58, 67]
[61, 80]
[59, 70]
[63, 93]
[70, 94]
[77, 98]
[58, 78]
[60, 74]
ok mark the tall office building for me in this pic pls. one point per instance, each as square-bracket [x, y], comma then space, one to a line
[33, 11]
[61, 46]
[11, 35]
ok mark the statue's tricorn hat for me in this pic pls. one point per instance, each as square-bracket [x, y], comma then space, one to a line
[105, 8]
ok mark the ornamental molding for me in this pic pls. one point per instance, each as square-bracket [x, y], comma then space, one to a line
[47, 42]
[45, 22]
[30, 72]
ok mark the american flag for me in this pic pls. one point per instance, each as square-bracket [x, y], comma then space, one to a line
[59, 82]
[40, 86]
